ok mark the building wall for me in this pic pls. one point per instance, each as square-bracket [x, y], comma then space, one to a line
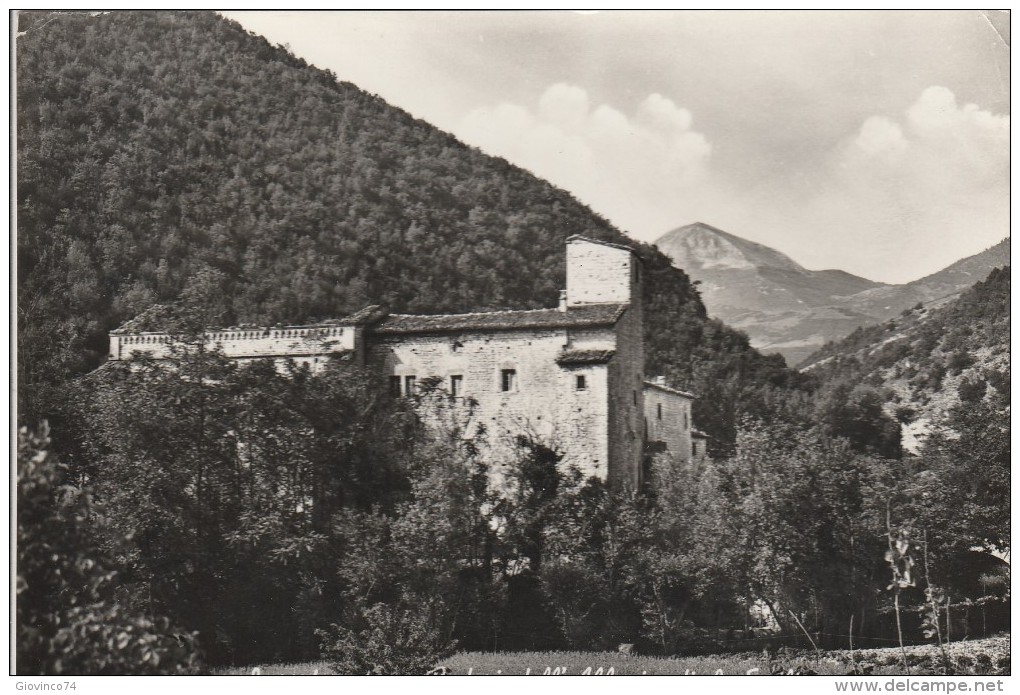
[296, 341]
[668, 418]
[626, 404]
[544, 404]
[699, 449]
[599, 273]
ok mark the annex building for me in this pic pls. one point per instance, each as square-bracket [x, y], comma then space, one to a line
[572, 376]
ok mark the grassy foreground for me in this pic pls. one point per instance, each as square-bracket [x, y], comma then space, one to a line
[988, 656]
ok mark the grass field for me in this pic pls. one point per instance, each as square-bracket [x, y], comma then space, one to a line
[988, 656]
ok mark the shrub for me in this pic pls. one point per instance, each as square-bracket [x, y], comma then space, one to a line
[390, 640]
[71, 619]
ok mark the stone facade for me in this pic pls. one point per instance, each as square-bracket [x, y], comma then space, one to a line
[668, 419]
[570, 377]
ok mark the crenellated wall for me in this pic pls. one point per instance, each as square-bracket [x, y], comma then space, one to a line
[246, 342]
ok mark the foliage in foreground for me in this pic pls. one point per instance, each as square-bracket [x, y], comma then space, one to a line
[293, 515]
[72, 616]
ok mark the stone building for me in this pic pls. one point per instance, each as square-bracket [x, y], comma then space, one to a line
[571, 376]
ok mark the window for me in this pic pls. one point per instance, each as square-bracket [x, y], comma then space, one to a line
[694, 448]
[685, 419]
[509, 379]
[658, 410]
[408, 385]
[395, 386]
[580, 383]
[456, 346]
[634, 396]
[457, 385]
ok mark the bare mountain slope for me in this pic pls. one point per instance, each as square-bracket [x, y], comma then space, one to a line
[788, 309]
[782, 306]
[887, 301]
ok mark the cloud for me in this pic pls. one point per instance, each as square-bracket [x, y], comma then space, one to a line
[880, 136]
[624, 166]
[895, 197]
[932, 184]
[966, 145]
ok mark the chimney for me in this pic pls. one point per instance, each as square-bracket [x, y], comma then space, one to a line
[659, 381]
[563, 300]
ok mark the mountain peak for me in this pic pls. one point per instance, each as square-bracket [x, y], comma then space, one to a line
[701, 246]
[783, 306]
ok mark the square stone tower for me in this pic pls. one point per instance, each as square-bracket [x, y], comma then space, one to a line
[599, 272]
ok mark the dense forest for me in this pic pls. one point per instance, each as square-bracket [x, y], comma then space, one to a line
[169, 157]
[173, 519]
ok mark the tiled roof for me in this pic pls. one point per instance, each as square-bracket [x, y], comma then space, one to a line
[575, 317]
[667, 389]
[158, 317]
[585, 356]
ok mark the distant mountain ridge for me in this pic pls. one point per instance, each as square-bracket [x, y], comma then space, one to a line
[887, 301]
[788, 309]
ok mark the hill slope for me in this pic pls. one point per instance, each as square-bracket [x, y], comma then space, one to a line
[173, 157]
[788, 309]
[931, 357]
[886, 302]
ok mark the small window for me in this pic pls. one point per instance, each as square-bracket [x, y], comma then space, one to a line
[509, 379]
[685, 419]
[395, 386]
[456, 346]
[457, 385]
[580, 383]
[634, 396]
[408, 385]
[694, 448]
[658, 410]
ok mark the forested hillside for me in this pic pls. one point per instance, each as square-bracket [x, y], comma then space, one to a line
[931, 357]
[174, 157]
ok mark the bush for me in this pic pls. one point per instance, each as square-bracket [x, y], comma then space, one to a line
[959, 360]
[391, 640]
[972, 391]
[71, 618]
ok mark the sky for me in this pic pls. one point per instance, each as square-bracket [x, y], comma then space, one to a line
[876, 142]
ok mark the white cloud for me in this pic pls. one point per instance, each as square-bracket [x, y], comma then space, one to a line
[625, 167]
[932, 185]
[880, 136]
[899, 196]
